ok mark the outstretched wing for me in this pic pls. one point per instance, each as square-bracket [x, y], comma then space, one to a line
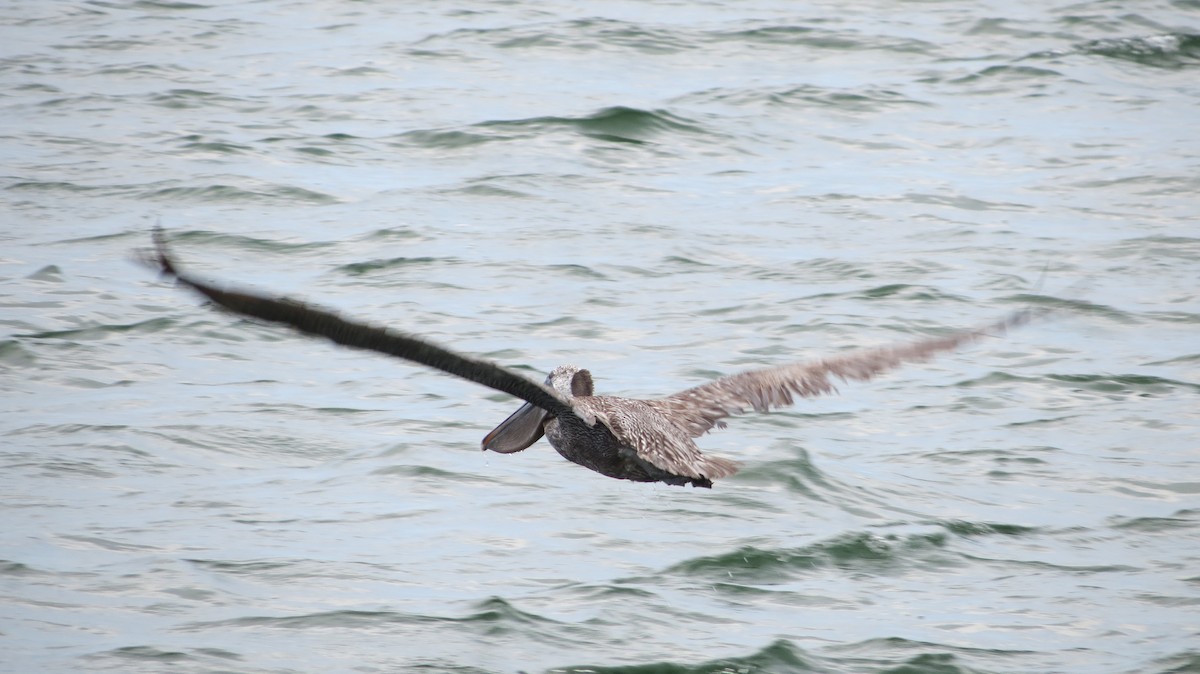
[323, 323]
[700, 409]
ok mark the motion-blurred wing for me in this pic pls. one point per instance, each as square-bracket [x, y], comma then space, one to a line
[700, 409]
[323, 323]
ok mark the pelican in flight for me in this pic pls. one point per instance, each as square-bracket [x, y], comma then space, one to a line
[623, 438]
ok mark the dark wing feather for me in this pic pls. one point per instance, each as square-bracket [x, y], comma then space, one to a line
[322, 323]
[699, 409]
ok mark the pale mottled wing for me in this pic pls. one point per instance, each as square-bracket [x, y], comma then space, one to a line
[699, 409]
[640, 426]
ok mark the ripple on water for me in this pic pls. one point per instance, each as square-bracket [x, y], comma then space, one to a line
[135, 655]
[836, 100]
[248, 191]
[877, 554]
[1167, 50]
[615, 124]
[895, 655]
[1179, 521]
[493, 616]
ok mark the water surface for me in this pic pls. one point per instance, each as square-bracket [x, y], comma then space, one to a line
[664, 193]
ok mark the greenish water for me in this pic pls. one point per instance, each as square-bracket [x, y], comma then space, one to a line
[661, 192]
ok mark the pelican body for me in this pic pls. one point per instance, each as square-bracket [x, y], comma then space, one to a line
[623, 438]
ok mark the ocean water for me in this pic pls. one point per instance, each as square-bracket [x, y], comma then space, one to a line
[663, 192]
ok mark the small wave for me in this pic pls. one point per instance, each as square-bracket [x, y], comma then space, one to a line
[1180, 663]
[361, 268]
[498, 611]
[261, 193]
[820, 38]
[62, 186]
[618, 124]
[37, 87]
[799, 475]
[50, 272]
[184, 99]
[103, 331]
[965, 529]
[1146, 184]
[172, 5]
[96, 542]
[66, 429]
[578, 36]
[853, 551]
[105, 44]
[395, 234]
[10, 568]
[12, 354]
[1169, 50]
[481, 189]
[1189, 358]
[72, 470]
[436, 475]
[148, 654]
[780, 657]
[1071, 305]
[150, 71]
[878, 553]
[324, 619]
[90, 102]
[1184, 519]
[242, 242]
[1129, 383]
[1010, 72]
[827, 270]
[633, 36]
[144, 655]
[583, 36]
[890, 654]
[242, 568]
[897, 654]
[1027, 565]
[197, 143]
[578, 271]
[600, 592]
[902, 290]
[448, 140]
[854, 100]
[1153, 248]
[340, 146]
[357, 71]
[491, 616]
[963, 202]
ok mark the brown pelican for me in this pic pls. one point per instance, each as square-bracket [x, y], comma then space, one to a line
[640, 440]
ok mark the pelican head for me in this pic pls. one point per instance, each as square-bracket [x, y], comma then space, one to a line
[526, 426]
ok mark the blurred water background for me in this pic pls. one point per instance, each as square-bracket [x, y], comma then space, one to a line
[663, 192]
